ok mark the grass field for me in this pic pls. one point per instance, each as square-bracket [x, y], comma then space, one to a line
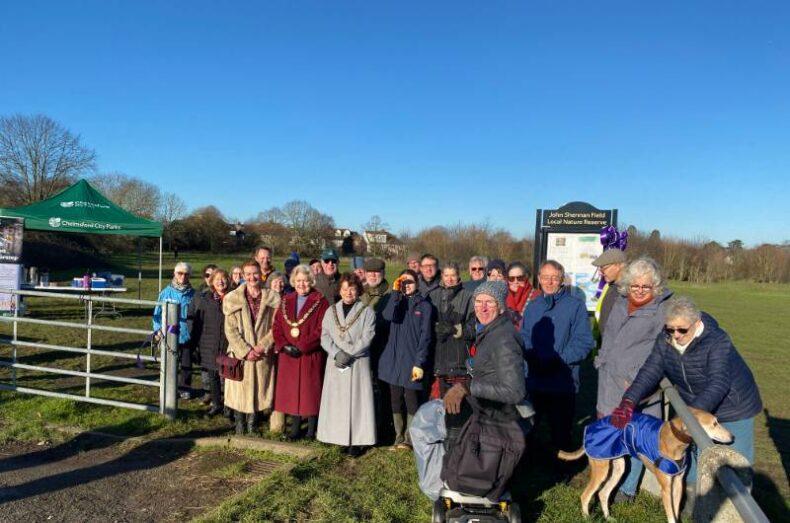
[381, 486]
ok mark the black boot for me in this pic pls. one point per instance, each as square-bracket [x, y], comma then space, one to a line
[312, 425]
[296, 428]
[251, 419]
[239, 422]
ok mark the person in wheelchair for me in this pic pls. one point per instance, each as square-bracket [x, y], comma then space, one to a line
[486, 444]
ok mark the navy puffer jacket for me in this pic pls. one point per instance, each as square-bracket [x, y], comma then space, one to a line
[409, 342]
[710, 375]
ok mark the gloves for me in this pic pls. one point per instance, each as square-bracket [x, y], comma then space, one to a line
[622, 414]
[454, 398]
[292, 351]
[416, 374]
[444, 330]
[343, 359]
[397, 283]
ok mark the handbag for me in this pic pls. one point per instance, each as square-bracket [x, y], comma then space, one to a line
[229, 367]
[484, 456]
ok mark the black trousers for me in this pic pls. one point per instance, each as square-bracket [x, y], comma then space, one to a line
[558, 409]
[214, 387]
[400, 394]
[185, 376]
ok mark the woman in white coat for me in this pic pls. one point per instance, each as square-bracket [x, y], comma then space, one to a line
[347, 416]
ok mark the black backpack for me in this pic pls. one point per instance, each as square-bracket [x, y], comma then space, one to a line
[483, 458]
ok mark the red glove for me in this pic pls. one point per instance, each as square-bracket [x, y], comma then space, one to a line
[622, 414]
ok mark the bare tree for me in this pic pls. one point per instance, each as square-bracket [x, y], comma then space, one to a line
[308, 226]
[375, 223]
[133, 194]
[171, 209]
[38, 158]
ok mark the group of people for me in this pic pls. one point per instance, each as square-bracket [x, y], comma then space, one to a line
[348, 358]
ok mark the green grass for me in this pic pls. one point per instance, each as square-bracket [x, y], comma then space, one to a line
[382, 486]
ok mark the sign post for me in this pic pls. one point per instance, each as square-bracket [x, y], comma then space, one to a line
[11, 230]
[571, 236]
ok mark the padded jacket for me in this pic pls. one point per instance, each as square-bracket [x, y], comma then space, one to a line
[409, 342]
[710, 375]
[557, 338]
[497, 370]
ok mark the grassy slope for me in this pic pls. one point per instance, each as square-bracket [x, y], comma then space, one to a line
[381, 486]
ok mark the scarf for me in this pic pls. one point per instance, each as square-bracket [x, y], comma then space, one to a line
[682, 348]
[633, 306]
[182, 288]
[517, 300]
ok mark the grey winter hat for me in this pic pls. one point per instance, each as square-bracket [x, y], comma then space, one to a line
[495, 289]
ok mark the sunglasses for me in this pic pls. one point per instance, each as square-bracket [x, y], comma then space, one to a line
[180, 273]
[330, 261]
[679, 330]
[407, 282]
[206, 274]
[516, 278]
[477, 269]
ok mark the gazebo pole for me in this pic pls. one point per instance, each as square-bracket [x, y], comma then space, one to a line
[139, 267]
[160, 266]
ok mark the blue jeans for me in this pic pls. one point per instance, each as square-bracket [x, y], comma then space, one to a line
[743, 434]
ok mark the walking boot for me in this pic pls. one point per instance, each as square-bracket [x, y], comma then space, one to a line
[312, 425]
[239, 416]
[397, 421]
[251, 419]
[296, 428]
[406, 436]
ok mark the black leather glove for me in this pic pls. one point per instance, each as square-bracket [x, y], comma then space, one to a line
[292, 351]
[444, 330]
[343, 359]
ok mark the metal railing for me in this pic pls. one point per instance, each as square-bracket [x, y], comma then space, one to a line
[738, 493]
[168, 350]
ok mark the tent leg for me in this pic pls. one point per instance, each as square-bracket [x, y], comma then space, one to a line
[139, 268]
[160, 266]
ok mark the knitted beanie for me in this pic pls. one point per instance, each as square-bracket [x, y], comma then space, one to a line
[495, 289]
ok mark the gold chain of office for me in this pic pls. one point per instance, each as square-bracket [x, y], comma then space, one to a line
[344, 328]
[296, 324]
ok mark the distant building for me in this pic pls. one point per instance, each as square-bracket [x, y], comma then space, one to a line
[385, 244]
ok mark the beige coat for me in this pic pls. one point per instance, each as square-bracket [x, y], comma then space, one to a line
[255, 393]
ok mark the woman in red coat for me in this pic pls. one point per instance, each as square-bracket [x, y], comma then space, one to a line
[300, 363]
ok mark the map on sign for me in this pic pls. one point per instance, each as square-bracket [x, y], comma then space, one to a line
[576, 251]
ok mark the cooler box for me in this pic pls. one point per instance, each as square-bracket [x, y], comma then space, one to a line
[98, 283]
[76, 282]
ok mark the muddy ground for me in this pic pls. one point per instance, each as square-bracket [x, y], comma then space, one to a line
[94, 478]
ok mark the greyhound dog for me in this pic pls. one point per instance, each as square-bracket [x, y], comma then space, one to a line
[660, 445]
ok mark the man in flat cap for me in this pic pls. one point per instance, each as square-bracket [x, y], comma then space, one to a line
[376, 293]
[610, 264]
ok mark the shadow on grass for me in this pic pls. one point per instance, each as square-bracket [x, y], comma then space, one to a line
[779, 430]
[146, 456]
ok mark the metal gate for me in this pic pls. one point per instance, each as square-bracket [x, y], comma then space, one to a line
[167, 349]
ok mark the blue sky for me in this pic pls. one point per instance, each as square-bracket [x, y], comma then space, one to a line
[427, 113]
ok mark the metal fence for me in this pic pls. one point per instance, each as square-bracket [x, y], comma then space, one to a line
[167, 348]
[737, 492]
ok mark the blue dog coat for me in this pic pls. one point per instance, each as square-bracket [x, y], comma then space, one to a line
[638, 438]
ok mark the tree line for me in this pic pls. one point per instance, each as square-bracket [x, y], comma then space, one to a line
[39, 157]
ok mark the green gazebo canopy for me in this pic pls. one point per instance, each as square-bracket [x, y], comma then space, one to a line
[81, 208]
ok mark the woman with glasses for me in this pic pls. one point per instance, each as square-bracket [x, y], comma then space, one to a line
[236, 277]
[698, 357]
[402, 364]
[519, 292]
[634, 323]
[179, 291]
[207, 331]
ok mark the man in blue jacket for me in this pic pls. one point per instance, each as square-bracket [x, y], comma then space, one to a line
[557, 338]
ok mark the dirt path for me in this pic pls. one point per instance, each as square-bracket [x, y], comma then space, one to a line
[91, 478]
